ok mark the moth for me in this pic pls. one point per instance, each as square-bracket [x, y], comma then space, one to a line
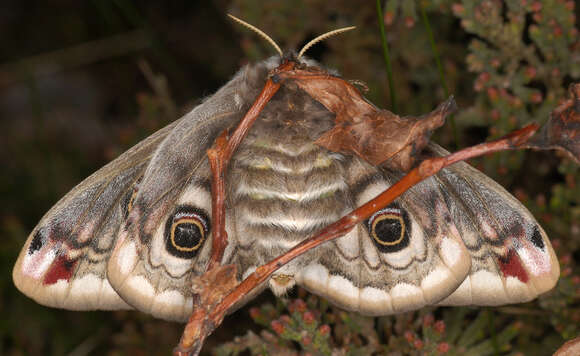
[135, 233]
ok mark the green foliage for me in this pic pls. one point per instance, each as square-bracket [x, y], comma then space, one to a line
[520, 65]
[507, 63]
[309, 325]
[522, 55]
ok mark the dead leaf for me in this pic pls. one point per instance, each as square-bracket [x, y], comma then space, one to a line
[377, 136]
[562, 131]
[215, 284]
[208, 290]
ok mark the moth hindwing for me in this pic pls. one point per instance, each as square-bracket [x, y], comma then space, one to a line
[135, 233]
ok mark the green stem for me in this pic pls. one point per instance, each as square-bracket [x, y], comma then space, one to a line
[387, 58]
[439, 68]
[494, 343]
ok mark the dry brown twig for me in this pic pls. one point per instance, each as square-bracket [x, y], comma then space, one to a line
[375, 135]
[218, 291]
[562, 131]
[210, 288]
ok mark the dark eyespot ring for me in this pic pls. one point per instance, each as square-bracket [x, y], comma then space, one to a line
[390, 229]
[185, 231]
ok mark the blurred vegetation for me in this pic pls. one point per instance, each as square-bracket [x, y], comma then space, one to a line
[80, 82]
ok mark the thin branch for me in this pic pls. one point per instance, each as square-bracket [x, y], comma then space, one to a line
[159, 85]
[218, 280]
[387, 58]
[426, 169]
[220, 155]
[73, 57]
[439, 68]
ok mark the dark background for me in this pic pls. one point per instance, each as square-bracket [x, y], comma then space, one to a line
[80, 82]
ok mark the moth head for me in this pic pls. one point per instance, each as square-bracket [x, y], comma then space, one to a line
[292, 56]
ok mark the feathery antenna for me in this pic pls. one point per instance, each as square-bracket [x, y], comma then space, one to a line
[259, 32]
[323, 37]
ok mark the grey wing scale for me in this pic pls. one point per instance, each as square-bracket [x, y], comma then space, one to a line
[136, 233]
[166, 239]
[132, 234]
[404, 257]
[512, 258]
[457, 238]
[63, 262]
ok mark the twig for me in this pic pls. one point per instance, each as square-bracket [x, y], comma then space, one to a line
[435, 52]
[426, 169]
[159, 85]
[219, 156]
[218, 280]
[72, 57]
[387, 58]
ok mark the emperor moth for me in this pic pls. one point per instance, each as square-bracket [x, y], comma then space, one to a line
[135, 233]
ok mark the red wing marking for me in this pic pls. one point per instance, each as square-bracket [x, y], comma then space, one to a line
[62, 268]
[512, 266]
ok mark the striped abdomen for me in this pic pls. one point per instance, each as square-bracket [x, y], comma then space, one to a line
[283, 192]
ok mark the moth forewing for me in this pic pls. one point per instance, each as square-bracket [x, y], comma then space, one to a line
[63, 262]
[513, 260]
[136, 232]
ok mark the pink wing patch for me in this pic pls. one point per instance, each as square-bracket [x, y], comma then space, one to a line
[61, 268]
[45, 261]
[512, 266]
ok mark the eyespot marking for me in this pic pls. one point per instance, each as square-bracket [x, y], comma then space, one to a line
[389, 228]
[187, 234]
[185, 231]
[537, 239]
[37, 242]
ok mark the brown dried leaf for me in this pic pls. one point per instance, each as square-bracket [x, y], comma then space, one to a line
[562, 131]
[215, 284]
[377, 136]
[208, 289]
